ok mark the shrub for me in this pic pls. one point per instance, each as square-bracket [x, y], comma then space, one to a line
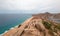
[51, 32]
[46, 24]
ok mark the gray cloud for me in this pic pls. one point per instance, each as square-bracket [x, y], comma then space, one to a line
[31, 5]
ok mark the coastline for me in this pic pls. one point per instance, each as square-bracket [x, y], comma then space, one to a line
[8, 30]
[16, 27]
[33, 25]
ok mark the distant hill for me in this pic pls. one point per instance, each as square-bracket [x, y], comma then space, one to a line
[49, 16]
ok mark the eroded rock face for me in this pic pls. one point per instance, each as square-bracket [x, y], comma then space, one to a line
[33, 27]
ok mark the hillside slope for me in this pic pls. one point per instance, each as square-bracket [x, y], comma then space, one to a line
[35, 27]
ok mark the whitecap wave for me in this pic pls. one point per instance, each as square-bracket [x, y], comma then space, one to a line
[13, 27]
[8, 30]
[3, 33]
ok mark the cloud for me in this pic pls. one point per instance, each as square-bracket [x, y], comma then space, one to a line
[30, 5]
[24, 4]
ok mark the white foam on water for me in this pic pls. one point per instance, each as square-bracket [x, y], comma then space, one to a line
[8, 30]
[16, 26]
[3, 33]
[13, 27]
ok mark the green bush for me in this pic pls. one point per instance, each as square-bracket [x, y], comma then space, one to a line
[58, 27]
[46, 24]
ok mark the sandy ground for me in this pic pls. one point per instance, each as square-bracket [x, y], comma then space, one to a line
[13, 31]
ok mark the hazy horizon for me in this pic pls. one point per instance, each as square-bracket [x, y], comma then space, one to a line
[29, 6]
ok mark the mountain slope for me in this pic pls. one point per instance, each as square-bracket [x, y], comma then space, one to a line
[36, 26]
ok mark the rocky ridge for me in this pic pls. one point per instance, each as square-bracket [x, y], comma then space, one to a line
[36, 26]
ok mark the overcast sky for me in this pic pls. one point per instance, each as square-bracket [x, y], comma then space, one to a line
[30, 6]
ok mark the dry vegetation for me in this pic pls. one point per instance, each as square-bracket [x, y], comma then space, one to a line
[36, 26]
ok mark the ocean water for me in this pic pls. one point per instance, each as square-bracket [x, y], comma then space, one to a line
[8, 21]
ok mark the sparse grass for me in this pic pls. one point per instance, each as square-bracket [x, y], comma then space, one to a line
[46, 24]
[52, 28]
[58, 27]
[51, 32]
[55, 30]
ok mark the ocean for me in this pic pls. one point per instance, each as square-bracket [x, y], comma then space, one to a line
[8, 21]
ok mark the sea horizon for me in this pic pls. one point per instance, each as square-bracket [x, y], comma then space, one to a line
[10, 21]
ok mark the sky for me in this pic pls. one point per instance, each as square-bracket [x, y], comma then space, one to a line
[29, 6]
